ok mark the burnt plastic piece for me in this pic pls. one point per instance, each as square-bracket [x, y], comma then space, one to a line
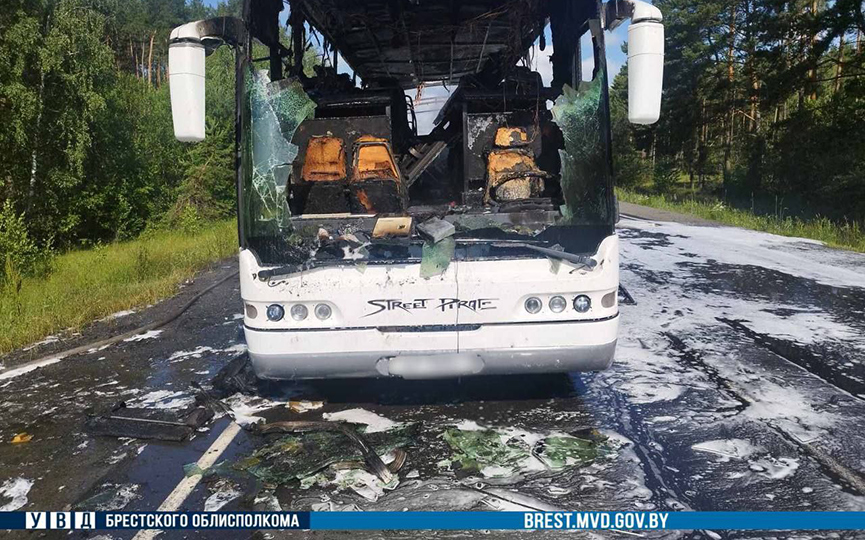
[435, 229]
[322, 198]
[148, 423]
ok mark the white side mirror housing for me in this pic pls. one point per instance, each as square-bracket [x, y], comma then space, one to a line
[645, 70]
[186, 83]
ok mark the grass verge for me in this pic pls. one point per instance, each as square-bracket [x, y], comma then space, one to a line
[843, 235]
[90, 284]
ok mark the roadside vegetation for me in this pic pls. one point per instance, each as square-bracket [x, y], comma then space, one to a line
[88, 284]
[842, 235]
[762, 122]
[101, 209]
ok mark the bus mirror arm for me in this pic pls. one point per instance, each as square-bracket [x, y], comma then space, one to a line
[187, 47]
[645, 56]
[616, 11]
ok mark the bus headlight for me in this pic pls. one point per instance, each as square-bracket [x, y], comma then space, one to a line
[299, 312]
[323, 312]
[275, 312]
[582, 303]
[533, 305]
[558, 304]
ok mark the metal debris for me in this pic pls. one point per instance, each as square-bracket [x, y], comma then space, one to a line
[436, 230]
[392, 226]
[235, 376]
[625, 297]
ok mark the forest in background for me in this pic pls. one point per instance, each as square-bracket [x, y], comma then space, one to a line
[762, 109]
[89, 154]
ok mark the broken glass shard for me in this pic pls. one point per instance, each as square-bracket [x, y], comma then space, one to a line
[295, 457]
[585, 163]
[558, 452]
[436, 258]
[476, 450]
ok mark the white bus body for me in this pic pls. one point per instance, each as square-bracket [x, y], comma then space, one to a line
[388, 321]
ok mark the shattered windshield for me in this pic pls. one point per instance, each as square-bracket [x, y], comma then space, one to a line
[271, 113]
[585, 179]
[338, 178]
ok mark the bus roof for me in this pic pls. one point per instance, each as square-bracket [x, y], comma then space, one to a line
[416, 41]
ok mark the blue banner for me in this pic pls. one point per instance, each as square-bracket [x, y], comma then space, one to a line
[435, 520]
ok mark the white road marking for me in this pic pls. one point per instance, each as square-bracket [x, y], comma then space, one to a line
[27, 368]
[184, 488]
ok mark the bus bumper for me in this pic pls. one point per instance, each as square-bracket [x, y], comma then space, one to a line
[500, 349]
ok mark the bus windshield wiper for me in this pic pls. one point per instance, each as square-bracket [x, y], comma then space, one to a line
[582, 260]
[287, 269]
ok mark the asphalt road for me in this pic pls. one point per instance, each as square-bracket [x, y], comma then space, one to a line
[739, 384]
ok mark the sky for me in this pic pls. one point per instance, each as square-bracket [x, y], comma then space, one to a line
[435, 96]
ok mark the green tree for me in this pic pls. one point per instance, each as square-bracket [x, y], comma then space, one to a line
[762, 99]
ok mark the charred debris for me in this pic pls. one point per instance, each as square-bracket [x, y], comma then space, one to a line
[303, 444]
[335, 170]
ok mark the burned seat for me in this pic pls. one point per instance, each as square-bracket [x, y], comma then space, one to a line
[323, 181]
[376, 186]
[512, 173]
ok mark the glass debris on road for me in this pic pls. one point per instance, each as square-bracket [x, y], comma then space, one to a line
[111, 497]
[503, 453]
[486, 450]
[558, 452]
[298, 456]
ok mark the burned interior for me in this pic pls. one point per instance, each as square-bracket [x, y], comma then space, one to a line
[334, 168]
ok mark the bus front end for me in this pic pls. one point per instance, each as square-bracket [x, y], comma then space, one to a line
[497, 315]
[375, 243]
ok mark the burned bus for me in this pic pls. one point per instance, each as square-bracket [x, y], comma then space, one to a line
[483, 243]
